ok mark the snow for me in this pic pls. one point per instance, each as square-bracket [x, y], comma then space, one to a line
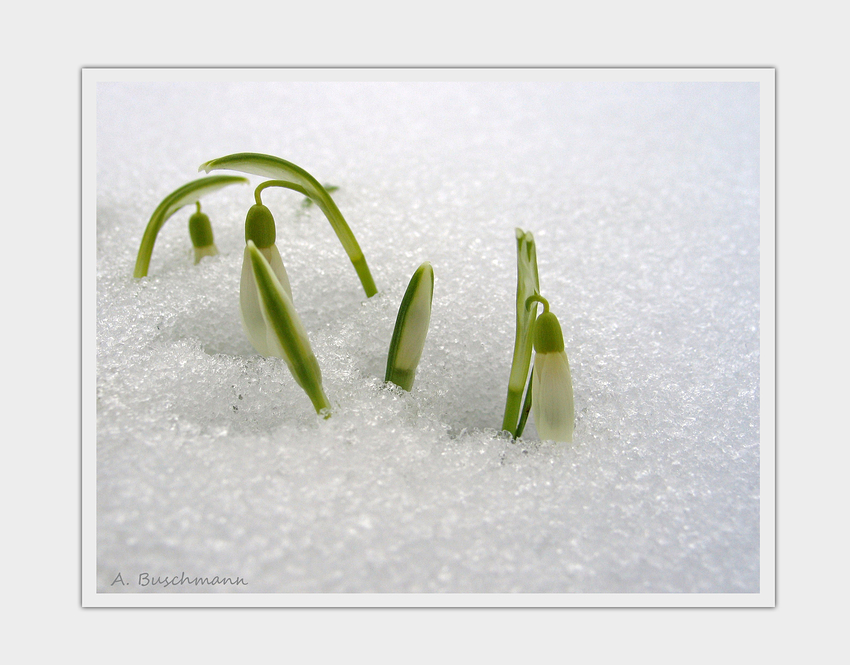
[644, 202]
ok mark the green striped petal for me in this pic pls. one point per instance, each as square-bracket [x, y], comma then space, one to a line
[250, 307]
[286, 335]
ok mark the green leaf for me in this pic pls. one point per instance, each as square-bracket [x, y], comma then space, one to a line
[411, 328]
[526, 407]
[296, 178]
[188, 193]
[528, 283]
[306, 203]
[288, 337]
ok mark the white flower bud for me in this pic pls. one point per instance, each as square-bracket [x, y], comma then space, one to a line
[552, 385]
[411, 328]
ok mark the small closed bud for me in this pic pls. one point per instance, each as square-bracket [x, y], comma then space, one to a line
[548, 337]
[200, 231]
[259, 226]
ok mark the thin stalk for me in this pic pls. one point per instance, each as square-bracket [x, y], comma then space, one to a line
[537, 298]
[287, 174]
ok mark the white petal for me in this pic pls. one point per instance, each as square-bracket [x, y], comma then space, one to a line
[552, 397]
[273, 257]
[201, 252]
[253, 322]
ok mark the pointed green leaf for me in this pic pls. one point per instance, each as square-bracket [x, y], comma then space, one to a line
[528, 283]
[287, 334]
[296, 178]
[188, 193]
[411, 328]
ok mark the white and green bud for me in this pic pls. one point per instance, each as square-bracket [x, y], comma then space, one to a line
[411, 328]
[259, 229]
[201, 233]
[285, 334]
[551, 385]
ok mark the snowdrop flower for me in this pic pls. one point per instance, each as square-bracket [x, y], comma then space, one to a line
[259, 229]
[411, 327]
[552, 385]
[200, 231]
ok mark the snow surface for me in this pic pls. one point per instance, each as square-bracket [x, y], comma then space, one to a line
[644, 202]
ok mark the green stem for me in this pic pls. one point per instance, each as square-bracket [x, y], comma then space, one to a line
[537, 298]
[526, 407]
[275, 183]
[512, 410]
[365, 275]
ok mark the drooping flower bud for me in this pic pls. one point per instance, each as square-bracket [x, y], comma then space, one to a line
[201, 233]
[259, 229]
[552, 385]
[259, 226]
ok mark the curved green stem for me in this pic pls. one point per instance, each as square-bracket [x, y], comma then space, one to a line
[188, 193]
[537, 298]
[277, 183]
[287, 174]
